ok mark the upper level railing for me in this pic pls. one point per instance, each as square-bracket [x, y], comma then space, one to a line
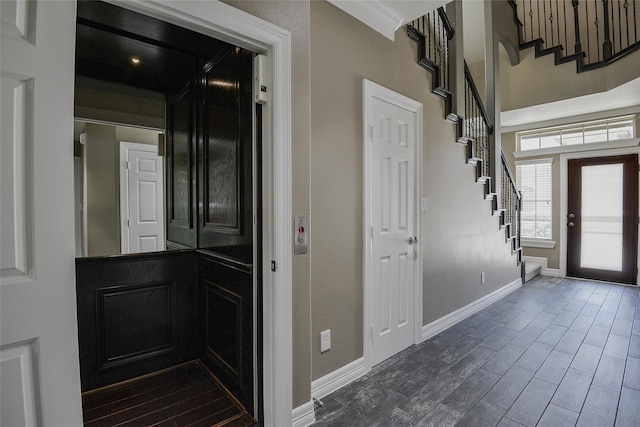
[597, 32]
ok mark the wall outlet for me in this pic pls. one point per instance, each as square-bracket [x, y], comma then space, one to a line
[483, 278]
[325, 341]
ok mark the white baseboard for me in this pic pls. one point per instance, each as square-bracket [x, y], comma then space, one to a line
[303, 415]
[337, 379]
[553, 272]
[451, 319]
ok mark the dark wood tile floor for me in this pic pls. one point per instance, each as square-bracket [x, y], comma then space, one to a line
[556, 352]
[186, 395]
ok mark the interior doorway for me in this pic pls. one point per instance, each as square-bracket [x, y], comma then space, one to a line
[213, 192]
[602, 218]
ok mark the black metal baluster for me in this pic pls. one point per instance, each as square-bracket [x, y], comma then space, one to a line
[558, 21]
[635, 23]
[626, 20]
[607, 45]
[566, 39]
[539, 29]
[576, 23]
[428, 34]
[587, 25]
[531, 18]
[544, 9]
[597, 25]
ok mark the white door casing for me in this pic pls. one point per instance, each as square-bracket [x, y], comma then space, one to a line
[40, 373]
[393, 265]
[61, 405]
[141, 200]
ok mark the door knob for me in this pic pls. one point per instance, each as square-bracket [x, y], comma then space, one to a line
[571, 224]
[571, 216]
[413, 240]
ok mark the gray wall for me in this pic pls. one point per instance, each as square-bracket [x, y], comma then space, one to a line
[461, 237]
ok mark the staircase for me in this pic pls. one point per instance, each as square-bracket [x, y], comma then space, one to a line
[593, 33]
[435, 37]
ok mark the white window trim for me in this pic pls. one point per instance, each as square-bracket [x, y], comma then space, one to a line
[538, 243]
[606, 145]
[542, 160]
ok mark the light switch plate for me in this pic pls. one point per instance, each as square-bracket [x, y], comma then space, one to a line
[325, 340]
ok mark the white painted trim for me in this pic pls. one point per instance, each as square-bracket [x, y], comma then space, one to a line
[537, 243]
[375, 14]
[541, 161]
[451, 319]
[339, 378]
[304, 415]
[512, 116]
[373, 90]
[227, 23]
[552, 272]
[564, 182]
[605, 145]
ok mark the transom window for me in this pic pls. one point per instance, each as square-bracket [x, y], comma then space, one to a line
[577, 134]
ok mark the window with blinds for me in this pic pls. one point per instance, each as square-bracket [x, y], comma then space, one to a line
[613, 129]
[533, 178]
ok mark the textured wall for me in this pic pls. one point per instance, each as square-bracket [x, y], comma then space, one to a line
[460, 236]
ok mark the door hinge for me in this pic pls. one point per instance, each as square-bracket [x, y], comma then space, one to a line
[371, 332]
[371, 131]
[128, 223]
[371, 232]
[273, 266]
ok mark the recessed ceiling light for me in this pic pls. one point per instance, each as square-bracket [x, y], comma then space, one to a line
[135, 60]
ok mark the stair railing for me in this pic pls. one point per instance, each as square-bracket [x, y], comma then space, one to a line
[433, 32]
[595, 32]
[476, 129]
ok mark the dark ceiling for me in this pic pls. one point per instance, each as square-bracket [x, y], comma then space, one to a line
[109, 37]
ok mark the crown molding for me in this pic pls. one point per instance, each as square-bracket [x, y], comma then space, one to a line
[375, 14]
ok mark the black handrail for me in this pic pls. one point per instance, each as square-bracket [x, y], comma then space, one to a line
[476, 95]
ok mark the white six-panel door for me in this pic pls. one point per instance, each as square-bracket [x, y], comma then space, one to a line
[392, 180]
[141, 201]
[39, 370]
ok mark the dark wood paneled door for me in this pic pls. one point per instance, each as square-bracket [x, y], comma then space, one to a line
[602, 218]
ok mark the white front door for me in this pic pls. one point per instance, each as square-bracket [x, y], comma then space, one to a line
[141, 201]
[392, 179]
[40, 375]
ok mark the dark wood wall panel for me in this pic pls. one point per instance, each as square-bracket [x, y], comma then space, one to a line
[226, 327]
[136, 314]
[128, 333]
[225, 153]
[181, 168]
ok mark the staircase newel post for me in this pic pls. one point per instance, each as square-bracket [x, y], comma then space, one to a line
[576, 24]
[456, 63]
[607, 46]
